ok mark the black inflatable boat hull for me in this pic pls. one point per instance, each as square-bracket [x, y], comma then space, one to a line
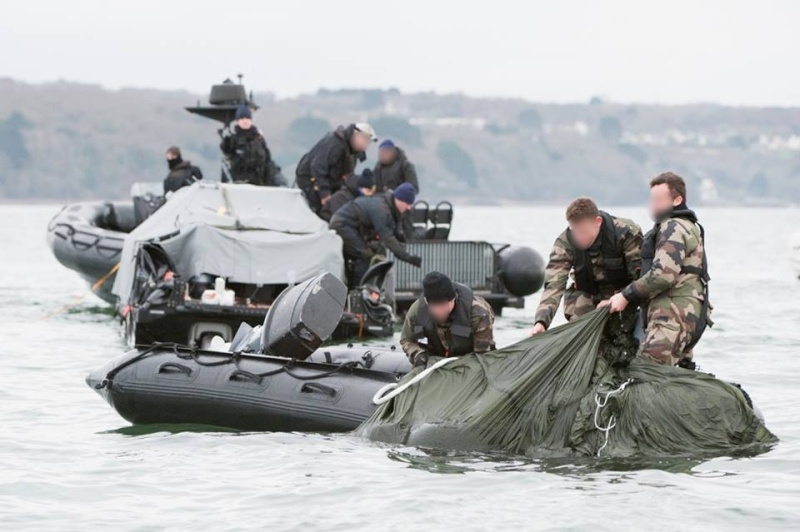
[331, 391]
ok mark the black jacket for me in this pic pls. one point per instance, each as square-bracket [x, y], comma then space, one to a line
[250, 158]
[340, 198]
[322, 168]
[376, 218]
[391, 176]
[182, 175]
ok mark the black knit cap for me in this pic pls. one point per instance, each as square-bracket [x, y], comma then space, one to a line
[438, 288]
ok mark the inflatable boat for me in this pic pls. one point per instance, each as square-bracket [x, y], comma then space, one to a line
[271, 378]
[88, 237]
[216, 255]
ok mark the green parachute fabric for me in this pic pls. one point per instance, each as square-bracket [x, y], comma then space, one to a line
[539, 398]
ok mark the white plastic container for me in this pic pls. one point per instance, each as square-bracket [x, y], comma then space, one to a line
[219, 285]
[228, 298]
[210, 297]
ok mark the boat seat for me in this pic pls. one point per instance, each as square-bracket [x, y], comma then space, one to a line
[440, 218]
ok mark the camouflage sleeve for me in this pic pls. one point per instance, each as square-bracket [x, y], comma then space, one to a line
[409, 345]
[555, 281]
[632, 247]
[482, 322]
[670, 251]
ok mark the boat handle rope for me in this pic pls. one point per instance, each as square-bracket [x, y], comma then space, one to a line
[85, 246]
[232, 358]
[379, 398]
[601, 401]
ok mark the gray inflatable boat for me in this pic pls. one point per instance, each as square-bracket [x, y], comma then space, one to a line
[87, 237]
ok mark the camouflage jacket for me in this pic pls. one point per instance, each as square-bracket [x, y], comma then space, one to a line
[559, 276]
[481, 325]
[678, 245]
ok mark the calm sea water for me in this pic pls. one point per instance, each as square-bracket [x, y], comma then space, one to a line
[69, 462]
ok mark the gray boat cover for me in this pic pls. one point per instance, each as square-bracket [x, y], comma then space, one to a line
[540, 397]
[246, 233]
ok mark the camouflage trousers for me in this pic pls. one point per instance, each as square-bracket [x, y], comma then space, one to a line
[671, 323]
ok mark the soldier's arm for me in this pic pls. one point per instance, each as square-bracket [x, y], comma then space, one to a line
[555, 281]
[410, 175]
[482, 322]
[632, 248]
[385, 227]
[226, 145]
[410, 347]
[663, 275]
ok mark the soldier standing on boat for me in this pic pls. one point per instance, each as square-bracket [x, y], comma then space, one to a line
[393, 168]
[320, 171]
[248, 154]
[181, 173]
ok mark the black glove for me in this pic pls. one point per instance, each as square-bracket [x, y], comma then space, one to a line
[421, 360]
[414, 261]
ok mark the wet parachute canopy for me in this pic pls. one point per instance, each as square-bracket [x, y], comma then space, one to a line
[539, 398]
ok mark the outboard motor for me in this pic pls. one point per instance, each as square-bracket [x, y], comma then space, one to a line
[303, 316]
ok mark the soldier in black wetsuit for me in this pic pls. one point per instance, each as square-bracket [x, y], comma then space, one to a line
[369, 223]
[321, 170]
[181, 173]
[248, 154]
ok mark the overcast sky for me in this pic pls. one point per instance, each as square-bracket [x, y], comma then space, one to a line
[732, 52]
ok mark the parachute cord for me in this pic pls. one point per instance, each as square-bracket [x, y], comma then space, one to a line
[379, 398]
[601, 400]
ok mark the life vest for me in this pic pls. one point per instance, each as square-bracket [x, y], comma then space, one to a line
[616, 271]
[648, 255]
[461, 341]
[180, 176]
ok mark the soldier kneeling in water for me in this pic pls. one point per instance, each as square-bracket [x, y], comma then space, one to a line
[447, 320]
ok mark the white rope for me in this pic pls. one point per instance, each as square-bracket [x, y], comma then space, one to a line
[601, 400]
[379, 398]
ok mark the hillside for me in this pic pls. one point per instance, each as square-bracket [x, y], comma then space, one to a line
[64, 141]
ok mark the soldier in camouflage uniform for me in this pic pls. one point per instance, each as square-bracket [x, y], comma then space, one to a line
[672, 289]
[447, 320]
[597, 255]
